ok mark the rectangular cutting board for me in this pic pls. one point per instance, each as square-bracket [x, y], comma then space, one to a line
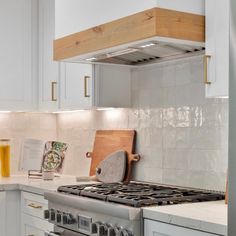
[109, 141]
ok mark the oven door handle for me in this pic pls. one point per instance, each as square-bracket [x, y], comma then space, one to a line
[52, 234]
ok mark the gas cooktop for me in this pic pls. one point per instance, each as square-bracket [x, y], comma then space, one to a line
[138, 194]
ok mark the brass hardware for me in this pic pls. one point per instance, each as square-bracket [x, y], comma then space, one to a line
[54, 99]
[206, 58]
[86, 78]
[35, 206]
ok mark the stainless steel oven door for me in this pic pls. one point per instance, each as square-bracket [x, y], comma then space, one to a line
[63, 232]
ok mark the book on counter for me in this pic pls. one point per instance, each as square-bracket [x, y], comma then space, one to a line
[38, 155]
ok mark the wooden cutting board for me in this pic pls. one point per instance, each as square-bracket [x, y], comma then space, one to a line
[108, 141]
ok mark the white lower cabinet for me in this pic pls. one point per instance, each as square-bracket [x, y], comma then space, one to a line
[2, 213]
[32, 220]
[33, 226]
[9, 213]
[155, 228]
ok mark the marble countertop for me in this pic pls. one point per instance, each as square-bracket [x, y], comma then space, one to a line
[37, 186]
[206, 216]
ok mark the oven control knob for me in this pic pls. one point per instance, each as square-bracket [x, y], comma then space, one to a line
[64, 219]
[111, 231]
[71, 219]
[101, 230]
[117, 231]
[125, 232]
[96, 227]
[52, 215]
[68, 219]
[46, 214]
[59, 217]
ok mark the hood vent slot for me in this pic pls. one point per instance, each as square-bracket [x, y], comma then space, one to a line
[140, 55]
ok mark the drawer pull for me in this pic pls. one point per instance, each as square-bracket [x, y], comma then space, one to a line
[86, 94]
[206, 58]
[54, 99]
[35, 206]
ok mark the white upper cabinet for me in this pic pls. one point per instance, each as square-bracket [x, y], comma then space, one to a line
[48, 69]
[112, 86]
[77, 15]
[217, 48]
[83, 86]
[76, 86]
[18, 55]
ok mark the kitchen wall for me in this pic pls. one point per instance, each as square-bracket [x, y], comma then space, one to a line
[182, 136]
[18, 126]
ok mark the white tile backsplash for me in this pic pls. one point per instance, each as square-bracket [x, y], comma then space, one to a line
[18, 126]
[181, 135]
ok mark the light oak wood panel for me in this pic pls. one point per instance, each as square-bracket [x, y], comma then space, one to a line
[143, 25]
[180, 25]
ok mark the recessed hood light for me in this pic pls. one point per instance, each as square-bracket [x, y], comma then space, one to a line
[91, 59]
[122, 52]
[148, 45]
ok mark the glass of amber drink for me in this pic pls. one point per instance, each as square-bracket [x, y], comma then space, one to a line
[5, 157]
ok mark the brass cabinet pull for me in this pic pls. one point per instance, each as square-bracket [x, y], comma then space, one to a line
[54, 99]
[86, 94]
[32, 205]
[206, 58]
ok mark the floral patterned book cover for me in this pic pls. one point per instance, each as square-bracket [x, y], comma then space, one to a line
[54, 155]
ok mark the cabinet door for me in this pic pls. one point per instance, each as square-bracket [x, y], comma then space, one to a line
[154, 228]
[77, 15]
[217, 48]
[3, 213]
[18, 54]
[48, 69]
[112, 86]
[10, 213]
[76, 86]
[34, 226]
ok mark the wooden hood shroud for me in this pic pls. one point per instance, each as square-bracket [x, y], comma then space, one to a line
[156, 22]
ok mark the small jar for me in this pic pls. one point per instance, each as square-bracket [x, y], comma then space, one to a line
[5, 157]
[48, 175]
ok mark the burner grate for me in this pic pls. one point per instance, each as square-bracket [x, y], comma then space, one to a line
[137, 194]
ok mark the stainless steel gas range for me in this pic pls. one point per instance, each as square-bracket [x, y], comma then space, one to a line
[112, 209]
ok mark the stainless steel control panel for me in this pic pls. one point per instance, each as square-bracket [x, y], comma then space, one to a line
[84, 224]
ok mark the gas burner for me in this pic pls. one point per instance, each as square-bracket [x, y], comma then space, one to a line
[138, 194]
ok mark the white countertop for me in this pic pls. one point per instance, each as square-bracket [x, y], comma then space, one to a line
[37, 186]
[206, 216]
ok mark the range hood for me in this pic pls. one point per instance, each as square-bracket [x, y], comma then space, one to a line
[146, 37]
